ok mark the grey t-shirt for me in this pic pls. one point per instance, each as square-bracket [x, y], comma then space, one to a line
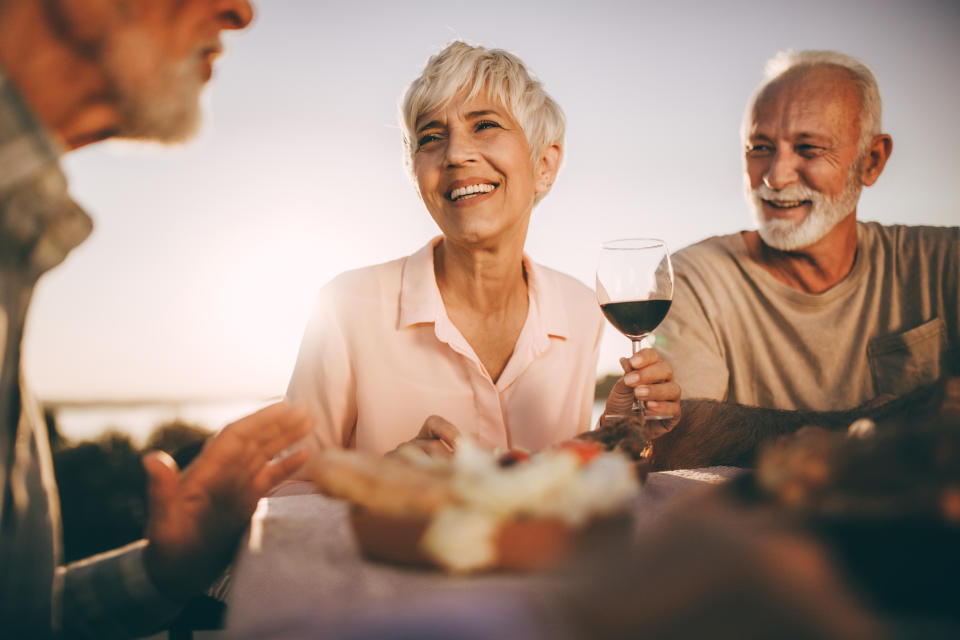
[737, 334]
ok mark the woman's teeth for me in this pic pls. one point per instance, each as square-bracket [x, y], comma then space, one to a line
[472, 190]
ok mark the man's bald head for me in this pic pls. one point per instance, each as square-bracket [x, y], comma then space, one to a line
[788, 66]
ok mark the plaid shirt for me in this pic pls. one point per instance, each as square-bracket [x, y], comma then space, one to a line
[106, 596]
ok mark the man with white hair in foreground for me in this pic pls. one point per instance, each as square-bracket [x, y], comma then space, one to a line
[73, 72]
[815, 314]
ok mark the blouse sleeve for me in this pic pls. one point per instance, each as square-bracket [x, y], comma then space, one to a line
[324, 378]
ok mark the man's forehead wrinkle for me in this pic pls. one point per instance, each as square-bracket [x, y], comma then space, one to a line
[808, 104]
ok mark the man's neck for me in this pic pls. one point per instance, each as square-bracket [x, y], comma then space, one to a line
[58, 79]
[813, 269]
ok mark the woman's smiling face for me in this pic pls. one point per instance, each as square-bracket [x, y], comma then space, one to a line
[475, 171]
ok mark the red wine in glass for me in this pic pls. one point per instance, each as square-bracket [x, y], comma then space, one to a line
[636, 318]
[634, 289]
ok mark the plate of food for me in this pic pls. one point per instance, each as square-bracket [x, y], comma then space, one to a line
[480, 510]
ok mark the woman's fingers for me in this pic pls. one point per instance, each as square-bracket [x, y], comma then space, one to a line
[437, 428]
[430, 446]
[437, 438]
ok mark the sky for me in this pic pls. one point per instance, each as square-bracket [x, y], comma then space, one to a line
[206, 258]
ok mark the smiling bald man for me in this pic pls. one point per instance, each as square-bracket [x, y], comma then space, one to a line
[814, 312]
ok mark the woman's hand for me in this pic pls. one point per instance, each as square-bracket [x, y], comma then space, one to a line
[437, 438]
[648, 379]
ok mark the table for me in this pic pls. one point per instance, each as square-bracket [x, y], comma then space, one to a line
[299, 567]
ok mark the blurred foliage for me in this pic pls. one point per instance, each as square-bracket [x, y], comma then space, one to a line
[103, 485]
[604, 386]
[181, 440]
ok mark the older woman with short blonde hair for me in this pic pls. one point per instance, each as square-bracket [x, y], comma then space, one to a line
[468, 328]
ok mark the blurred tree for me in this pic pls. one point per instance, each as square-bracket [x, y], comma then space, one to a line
[181, 440]
[103, 485]
[102, 495]
[604, 386]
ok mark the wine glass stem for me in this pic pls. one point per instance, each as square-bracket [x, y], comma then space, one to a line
[638, 408]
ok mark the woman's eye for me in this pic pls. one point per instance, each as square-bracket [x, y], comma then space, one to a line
[426, 139]
[486, 124]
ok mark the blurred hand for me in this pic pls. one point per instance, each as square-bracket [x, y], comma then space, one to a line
[648, 379]
[196, 516]
[437, 438]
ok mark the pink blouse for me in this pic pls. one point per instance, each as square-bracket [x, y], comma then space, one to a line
[380, 355]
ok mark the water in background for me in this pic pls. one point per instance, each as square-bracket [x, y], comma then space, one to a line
[78, 422]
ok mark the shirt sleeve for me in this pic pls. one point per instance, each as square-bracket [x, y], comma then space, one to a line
[110, 595]
[687, 340]
[323, 377]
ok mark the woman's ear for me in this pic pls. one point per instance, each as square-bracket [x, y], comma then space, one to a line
[548, 164]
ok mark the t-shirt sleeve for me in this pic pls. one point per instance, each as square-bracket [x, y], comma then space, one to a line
[687, 340]
[323, 377]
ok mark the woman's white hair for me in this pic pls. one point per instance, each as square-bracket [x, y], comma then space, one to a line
[870, 105]
[460, 68]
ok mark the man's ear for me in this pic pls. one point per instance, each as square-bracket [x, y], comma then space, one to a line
[548, 164]
[875, 159]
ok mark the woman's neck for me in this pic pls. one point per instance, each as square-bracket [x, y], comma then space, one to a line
[490, 281]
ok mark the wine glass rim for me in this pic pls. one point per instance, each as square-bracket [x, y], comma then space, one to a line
[623, 244]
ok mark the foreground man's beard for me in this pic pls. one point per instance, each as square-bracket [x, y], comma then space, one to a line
[156, 99]
[825, 212]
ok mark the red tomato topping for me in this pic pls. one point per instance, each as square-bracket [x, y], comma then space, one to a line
[584, 449]
[512, 457]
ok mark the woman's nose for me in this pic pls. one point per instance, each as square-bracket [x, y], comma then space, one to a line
[460, 149]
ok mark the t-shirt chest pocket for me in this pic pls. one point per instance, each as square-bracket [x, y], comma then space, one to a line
[901, 362]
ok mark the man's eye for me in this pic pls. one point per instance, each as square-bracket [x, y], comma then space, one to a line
[808, 150]
[759, 149]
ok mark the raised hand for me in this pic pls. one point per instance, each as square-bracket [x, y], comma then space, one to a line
[196, 516]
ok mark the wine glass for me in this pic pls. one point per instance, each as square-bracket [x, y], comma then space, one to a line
[634, 289]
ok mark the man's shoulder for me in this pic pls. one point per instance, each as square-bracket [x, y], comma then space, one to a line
[710, 253]
[909, 240]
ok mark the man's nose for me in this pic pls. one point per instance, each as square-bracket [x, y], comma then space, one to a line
[234, 14]
[782, 170]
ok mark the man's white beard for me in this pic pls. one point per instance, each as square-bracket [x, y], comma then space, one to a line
[156, 99]
[825, 212]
